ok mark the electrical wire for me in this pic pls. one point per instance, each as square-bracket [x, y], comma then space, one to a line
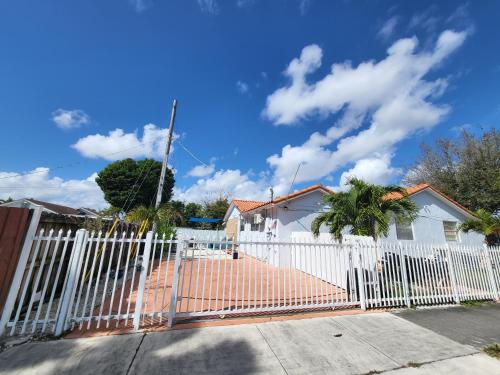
[133, 186]
[139, 187]
[71, 164]
[190, 153]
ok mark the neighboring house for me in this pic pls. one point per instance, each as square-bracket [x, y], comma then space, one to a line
[290, 216]
[438, 219]
[56, 216]
[279, 218]
[51, 208]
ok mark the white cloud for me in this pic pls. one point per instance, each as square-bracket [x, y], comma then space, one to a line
[118, 144]
[375, 170]
[38, 184]
[140, 5]
[70, 119]
[304, 6]
[426, 20]
[224, 182]
[209, 6]
[201, 170]
[388, 28]
[244, 3]
[242, 87]
[390, 95]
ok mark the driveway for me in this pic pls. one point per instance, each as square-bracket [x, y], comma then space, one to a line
[358, 344]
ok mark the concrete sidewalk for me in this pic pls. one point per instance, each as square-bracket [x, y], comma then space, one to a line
[360, 344]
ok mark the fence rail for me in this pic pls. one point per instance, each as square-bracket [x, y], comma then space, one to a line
[90, 281]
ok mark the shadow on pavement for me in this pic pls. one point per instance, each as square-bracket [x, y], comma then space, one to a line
[172, 352]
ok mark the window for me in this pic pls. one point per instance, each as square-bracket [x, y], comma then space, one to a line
[404, 230]
[242, 225]
[450, 231]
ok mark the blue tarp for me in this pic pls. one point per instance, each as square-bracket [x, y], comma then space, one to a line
[203, 220]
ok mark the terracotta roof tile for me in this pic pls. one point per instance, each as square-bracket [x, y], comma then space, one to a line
[246, 205]
[418, 188]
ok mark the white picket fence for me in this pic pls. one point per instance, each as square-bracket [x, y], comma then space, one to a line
[90, 281]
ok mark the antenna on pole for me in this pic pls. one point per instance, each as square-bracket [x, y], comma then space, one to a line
[294, 177]
[159, 193]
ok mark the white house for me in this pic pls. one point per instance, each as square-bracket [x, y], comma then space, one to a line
[438, 219]
[290, 216]
[279, 218]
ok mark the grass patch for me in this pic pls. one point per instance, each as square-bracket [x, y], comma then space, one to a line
[473, 303]
[413, 364]
[493, 350]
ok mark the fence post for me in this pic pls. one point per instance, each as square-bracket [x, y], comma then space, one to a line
[361, 278]
[20, 268]
[491, 276]
[142, 280]
[406, 289]
[175, 283]
[69, 289]
[453, 278]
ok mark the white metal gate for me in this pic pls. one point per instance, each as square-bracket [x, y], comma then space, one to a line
[92, 281]
[221, 278]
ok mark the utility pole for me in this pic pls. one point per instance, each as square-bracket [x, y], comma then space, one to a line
[165, 156]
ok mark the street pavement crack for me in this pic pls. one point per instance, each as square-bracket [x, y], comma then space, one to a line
[135, 354]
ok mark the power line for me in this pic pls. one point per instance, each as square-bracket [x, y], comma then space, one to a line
[71, 164]
[190, 153]
[139, 187]
[133, 186]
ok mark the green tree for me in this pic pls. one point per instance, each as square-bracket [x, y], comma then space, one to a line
[364, 210]
[179, 207]
[215, 209]
[192, 210]
[467, 169]
[163, 217]
[130, 183]
[487, 224]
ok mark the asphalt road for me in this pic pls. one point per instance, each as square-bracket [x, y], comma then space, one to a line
[477, 326]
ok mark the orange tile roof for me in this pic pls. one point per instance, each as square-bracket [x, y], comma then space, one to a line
[245, 205]
[409, 190]
[418, 188]
[300, 192]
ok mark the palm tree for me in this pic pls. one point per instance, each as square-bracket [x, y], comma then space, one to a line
[163, 217]
[487, 224]
[366, 209]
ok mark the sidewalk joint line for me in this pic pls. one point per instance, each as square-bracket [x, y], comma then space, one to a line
[272, 350]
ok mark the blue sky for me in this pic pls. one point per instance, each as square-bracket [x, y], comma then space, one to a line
[88, 82]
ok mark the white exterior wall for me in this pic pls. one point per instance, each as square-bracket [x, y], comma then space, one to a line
[200, 234]
[300, 214]
[428, 227]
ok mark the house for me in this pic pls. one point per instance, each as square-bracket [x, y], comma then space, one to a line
[438, 219]
[290, 217]
[52, 208]
[279, 218]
